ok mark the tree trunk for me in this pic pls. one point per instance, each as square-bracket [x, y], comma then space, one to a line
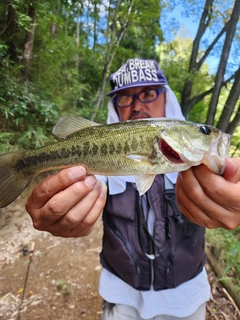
[77, 39]
[9, 27]
[186, 95]
[9, 19]
[233, 124]
[223, 61]
[53, 29]
[28, 46]
[193, 67]
[204, 23]
[230, 104]
[95, 34]
[209, 49]
[111, 48]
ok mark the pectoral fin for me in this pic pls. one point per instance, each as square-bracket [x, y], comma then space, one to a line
[139, 157]
[144, 182]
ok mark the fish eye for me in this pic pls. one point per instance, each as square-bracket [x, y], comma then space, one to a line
[205, 130]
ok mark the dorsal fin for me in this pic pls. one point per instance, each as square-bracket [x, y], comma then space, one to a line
[69, 125]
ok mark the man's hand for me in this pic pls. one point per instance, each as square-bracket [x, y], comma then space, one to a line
[67, 204]
[208, 199]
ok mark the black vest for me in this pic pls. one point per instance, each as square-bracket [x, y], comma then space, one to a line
[177, 245]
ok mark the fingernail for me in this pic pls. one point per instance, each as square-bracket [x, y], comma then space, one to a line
[103, 193]
[98, 185]
[90, 181]
[76, 173]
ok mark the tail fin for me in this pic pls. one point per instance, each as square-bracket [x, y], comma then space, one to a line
[12, 180]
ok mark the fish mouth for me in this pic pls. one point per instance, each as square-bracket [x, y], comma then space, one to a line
[169, 153]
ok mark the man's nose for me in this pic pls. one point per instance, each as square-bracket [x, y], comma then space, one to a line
[137, 104]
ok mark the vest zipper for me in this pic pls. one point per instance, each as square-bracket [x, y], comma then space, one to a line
[151, 263]
[151, 246]
[154, 252]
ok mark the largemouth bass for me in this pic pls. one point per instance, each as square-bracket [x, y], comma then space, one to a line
[142, 148]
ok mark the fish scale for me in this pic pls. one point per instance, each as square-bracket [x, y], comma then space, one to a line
[76, 150]
[142, 148]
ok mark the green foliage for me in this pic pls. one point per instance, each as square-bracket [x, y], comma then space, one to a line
[23, 21]
[142, 34]
[174, 60]
[229, 243]
[65, 288]
[5, 142]
[3, 50]
[235, 144]
[70, 53]
[26, 118]
[86, 112]
[65, 67]
[199, 112]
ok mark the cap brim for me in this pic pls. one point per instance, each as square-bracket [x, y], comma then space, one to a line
[111, 93]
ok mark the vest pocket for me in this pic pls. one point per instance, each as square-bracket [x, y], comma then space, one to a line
[191, 249]
[120, 258]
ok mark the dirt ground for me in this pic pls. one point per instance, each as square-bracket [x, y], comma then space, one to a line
[62, 281]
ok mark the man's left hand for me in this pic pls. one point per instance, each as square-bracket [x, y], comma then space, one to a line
[208, 199]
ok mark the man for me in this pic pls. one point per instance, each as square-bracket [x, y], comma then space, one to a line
[152, 257]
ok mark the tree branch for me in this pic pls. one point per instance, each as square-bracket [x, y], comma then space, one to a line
[6, 26]
[201, 30]
[211, 46]
[230, 32]
[229, 106]
[191, 102]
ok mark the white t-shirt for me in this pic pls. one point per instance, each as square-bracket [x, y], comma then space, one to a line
[180, 302]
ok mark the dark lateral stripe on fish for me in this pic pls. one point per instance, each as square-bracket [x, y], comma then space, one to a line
[76, 151]
[63, 153]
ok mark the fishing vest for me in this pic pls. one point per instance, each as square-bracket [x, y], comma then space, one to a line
[172, 255]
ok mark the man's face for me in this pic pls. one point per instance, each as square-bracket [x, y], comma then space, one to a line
[141, 110]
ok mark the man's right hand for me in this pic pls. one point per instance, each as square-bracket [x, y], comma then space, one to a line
[67, 204]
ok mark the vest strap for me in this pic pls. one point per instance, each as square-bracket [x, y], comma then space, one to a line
[169, 195]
